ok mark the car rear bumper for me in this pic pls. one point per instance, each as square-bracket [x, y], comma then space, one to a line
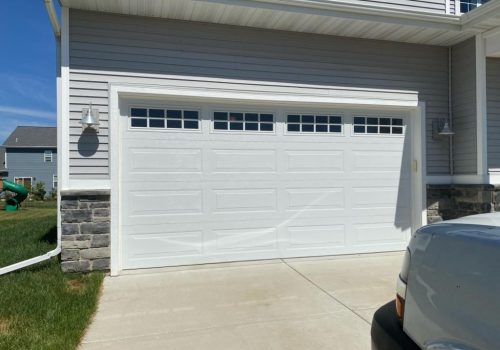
[387, 333]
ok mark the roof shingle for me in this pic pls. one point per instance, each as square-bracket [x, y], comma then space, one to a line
[32, 136]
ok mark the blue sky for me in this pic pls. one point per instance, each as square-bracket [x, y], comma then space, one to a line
[27, 66]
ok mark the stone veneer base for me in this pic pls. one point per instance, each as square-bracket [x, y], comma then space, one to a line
[445, 202]
[85, 226]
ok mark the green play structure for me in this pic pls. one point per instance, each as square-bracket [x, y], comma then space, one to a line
[21, 192]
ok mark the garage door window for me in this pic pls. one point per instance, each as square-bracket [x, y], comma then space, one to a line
[374, 125]
[242, 121]
[159, 118]
[307, 123]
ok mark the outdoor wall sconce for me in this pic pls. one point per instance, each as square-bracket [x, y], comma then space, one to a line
[90, 118]
[441, 128]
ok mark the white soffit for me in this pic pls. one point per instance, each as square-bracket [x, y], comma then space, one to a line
[313, 16]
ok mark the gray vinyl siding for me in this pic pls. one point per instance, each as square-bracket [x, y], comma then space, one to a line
[493, 100]
[102, 45]
[464, 107]
[430, 6]
[29, 162]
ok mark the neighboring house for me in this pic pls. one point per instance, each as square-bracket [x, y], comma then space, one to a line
[258, 129]
[3, 171]
[30, 156]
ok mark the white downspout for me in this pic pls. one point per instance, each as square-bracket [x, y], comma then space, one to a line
[57, 33]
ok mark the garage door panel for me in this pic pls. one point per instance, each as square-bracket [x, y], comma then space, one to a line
[315, 198]
[147, 203]
[371, 197]
[315, 236]
[314, 161]
[184, 160]
[244, 200]
[151, 245]
[378, 233]
[244, 239]
[198, 197]
[237, 161]
[379, 161]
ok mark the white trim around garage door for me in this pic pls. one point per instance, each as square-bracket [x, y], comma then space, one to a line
[255, 94]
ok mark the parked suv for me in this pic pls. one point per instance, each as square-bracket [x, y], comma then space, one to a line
[448, 291]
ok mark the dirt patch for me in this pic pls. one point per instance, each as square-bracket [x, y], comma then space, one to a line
[5, 326]
[75, 285]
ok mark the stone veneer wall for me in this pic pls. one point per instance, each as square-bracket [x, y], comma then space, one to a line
[445, 202]
[85, 236]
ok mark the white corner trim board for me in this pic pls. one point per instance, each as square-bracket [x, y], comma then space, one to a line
[63, 104]
[481, 97]
[230, 93]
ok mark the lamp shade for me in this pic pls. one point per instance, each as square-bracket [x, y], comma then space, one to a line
[446, 131]
[90, 117]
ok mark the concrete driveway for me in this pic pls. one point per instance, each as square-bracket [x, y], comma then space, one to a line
[320, 303]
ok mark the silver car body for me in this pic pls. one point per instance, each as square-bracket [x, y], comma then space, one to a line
[453, 289]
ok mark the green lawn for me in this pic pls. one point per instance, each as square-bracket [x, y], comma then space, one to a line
[40, 307]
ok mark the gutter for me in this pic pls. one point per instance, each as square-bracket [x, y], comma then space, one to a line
[54, 22]
[49, 6]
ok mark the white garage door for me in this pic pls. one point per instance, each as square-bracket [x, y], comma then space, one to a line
[213, 183]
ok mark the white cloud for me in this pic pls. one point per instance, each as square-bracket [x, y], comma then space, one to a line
[27, 112]
[31, 88]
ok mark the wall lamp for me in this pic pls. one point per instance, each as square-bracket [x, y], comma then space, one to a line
[441, 128]
[90, 118]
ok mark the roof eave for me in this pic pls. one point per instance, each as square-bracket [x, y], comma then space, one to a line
[441, 29]
[475, 19]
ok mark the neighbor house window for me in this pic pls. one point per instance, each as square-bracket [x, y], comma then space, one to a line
[47, 156]
[243, 121]
[375, 125]
[54, 181]
[25, 181]
[310, 123]
[164, 118]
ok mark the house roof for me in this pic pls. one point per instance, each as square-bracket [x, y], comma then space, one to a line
[331, 17]
[32, 137]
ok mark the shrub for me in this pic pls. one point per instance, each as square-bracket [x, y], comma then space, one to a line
[38, 191]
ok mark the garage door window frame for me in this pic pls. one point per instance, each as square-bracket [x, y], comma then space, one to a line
[366, 116]
[238, 92]
[244, 111]
[245, 119]
[147, 128]
[329, 113]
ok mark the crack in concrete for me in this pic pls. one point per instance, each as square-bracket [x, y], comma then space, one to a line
[324, 291]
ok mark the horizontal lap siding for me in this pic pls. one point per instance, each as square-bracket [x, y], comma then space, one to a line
[464, 107]
[110, 44]
[493, 99]
[431, 6]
